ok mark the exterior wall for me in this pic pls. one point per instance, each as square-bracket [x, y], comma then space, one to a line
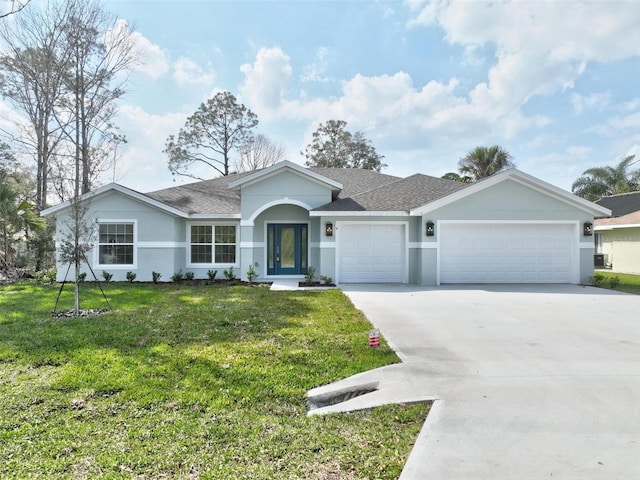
[622, 247]
[508, 201]
[159, 238]
[284, 187]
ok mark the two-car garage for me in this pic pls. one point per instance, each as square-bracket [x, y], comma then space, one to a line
[467, 252]
[507, 252]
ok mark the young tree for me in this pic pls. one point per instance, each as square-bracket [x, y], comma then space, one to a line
[259, 152]
[333, 146]
[483, 162]
[217, 128]
[598, 182]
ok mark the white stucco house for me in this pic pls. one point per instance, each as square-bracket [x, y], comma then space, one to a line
[349, 224]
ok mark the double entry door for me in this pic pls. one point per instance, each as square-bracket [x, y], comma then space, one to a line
[287, 248]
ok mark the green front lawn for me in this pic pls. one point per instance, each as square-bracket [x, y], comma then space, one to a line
[189, 382]
[628, 283]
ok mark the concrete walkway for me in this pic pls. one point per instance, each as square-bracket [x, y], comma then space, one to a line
[529, 381]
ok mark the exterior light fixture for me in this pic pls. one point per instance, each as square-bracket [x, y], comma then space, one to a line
[328, 229]
[587, 229]
[431, 230]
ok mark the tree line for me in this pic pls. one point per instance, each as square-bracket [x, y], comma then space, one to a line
[62, 68]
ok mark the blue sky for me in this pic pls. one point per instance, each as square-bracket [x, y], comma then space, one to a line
[555, 83]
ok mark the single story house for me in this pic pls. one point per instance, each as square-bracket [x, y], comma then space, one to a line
[618, 237]
[352, 225]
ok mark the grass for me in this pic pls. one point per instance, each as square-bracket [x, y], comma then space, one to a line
[628, 283]
[189, 382]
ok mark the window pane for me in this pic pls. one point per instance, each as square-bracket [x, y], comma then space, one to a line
[270, 242]
[226, 234]
[225, 254]
[116, 254]
[303, 246]
[115, 243]
[201, 254]
[201, 234]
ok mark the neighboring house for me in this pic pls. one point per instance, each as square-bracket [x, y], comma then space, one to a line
[349, 224]
[618, 237]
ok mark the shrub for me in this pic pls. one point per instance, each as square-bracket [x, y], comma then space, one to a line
[229, 274]
[82, 277]
[50, 275]
[326, 280]
[614, 282]
[156, 276]
[189, 276]
[107, 276]
[597, 279]
[212, 274]
[177, 277]
[251, 274]
[131, 277]
[310, 275]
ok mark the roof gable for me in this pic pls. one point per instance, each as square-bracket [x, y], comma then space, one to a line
[519, 177]
[114, 187]
[260, 175]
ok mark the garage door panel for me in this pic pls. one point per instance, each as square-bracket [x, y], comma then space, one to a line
[506, 253]
[371, 253]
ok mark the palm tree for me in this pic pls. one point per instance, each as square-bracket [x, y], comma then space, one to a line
[483, 162]
[599, 182]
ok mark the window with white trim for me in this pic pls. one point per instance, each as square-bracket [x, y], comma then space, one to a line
[115, 243]
[213, 244]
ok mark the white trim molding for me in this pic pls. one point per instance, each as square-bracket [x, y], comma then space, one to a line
[250, 222]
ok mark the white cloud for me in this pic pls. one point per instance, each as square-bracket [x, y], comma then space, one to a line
[141, 162]
[188, 72]
[266, 80]
[152, 59]
[315, 72]
[593, 101]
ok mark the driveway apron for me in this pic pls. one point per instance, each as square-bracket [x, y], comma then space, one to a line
[528, 381]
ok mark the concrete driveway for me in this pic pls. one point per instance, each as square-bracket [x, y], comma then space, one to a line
[529, 381]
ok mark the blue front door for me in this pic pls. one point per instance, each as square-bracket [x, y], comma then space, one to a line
[287, 248]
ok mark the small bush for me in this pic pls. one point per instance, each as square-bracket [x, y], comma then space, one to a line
[155, 276]
[131, 277]
[107, 276]
[251, 274]
[597, 279]
[212, 274]
[189, 276]
[50, 275]
[614, 282]
[229, 274]
[310, 275]
[82, 277]
[326, 280]
[177, 277]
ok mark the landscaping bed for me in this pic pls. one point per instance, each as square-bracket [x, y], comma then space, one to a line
[185, 381]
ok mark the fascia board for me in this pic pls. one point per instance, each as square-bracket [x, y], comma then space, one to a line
[344, 213]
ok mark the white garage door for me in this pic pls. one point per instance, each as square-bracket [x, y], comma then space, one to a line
[506, 253]
[371, 253]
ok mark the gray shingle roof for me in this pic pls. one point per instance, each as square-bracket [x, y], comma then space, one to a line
[205, 197]
[403, 194]
[363, 190]
[621, 204]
